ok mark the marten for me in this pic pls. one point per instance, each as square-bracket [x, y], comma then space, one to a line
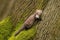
[29, 22]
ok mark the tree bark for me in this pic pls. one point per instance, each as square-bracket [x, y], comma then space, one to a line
[49, 27]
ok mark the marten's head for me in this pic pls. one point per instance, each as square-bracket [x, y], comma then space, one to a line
[38, 14]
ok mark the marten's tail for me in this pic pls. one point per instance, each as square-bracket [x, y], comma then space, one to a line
[19, 31]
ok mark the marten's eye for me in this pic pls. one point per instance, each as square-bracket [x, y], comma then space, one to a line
[37, 16]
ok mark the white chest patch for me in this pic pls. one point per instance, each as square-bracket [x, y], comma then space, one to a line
[37, 16]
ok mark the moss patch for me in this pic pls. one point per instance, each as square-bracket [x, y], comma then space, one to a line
[5, 28]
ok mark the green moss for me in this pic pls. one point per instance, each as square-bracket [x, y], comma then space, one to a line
[1, 37]
[26, 34]
[5, 28]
